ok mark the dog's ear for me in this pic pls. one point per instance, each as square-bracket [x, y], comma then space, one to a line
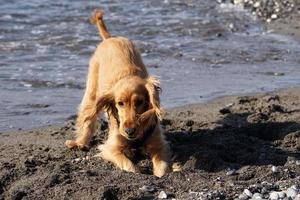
[106, 102]
[153, 88]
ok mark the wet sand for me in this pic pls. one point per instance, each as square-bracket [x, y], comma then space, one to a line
[287, 26]
[222, 147]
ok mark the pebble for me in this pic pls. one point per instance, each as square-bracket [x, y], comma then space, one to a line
[297, 162]
[257, 196]
[274, 16]
[291, 192]
[294, 187]
[231, 172]
[274, 169]
[248, 193]
[76, 160]
[147, 188]
[243, 197]
[281, 195]
[162, 195]
[274, 196]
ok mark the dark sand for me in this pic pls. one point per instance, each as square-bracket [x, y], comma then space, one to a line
[250, 134]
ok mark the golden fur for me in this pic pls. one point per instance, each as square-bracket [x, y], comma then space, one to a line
[119, 84]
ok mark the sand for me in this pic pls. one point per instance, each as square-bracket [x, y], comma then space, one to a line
[222, 147]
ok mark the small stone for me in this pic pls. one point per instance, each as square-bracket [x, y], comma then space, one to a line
[274, 16]
[231, 172]
[281, 195]
[76, 160]
[257, 196]
[274, 196]
[264, 190]
[162, 195]
[243, 197]
[147, 188]
[290, 192]
[256, 4]
[274, 169]
[297, 162]
[294, 187]
[248, 193]
[237, 1]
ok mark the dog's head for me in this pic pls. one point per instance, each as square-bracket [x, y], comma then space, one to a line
[135, 105]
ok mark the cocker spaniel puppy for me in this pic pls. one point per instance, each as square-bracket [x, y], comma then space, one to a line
[119, 84]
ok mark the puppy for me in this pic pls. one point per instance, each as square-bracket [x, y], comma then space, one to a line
[119, 84]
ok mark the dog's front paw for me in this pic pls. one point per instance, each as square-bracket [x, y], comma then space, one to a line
[71, 144]
[160, 168]
[132, 168]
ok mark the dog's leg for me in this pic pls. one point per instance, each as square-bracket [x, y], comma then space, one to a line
[159, 152]
[115, 155]
[87, 114]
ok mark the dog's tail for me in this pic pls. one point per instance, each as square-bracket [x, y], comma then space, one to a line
[97, 19]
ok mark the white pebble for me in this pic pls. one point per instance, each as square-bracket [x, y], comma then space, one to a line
[294, 187]
[162, 195]
[274, 169]
[256, 4]
[274, 16]
[231, 172]
[147, 188]
[248, 193]
[257, 196]
[243, 197]
[274, 196]
[290, 192]
[297, 162]
[77, 159]
[281, 195]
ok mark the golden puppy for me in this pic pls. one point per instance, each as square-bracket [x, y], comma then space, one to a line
[119, 84]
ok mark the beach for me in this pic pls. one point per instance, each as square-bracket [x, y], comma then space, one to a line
[219, 149]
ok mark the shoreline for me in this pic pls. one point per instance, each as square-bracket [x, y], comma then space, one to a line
[222, 147]
[288, 26]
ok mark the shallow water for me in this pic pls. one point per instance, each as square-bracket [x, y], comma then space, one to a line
[199, 49]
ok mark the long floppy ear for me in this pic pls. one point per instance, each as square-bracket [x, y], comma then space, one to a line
[153, 87]
[106, 102]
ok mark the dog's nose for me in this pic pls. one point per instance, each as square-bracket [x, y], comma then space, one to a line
[129, 131]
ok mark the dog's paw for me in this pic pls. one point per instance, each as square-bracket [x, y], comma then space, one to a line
[71, 144]
[160, 169]
[133, 169]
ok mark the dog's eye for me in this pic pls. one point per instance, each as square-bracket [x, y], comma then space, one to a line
[120, 103]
